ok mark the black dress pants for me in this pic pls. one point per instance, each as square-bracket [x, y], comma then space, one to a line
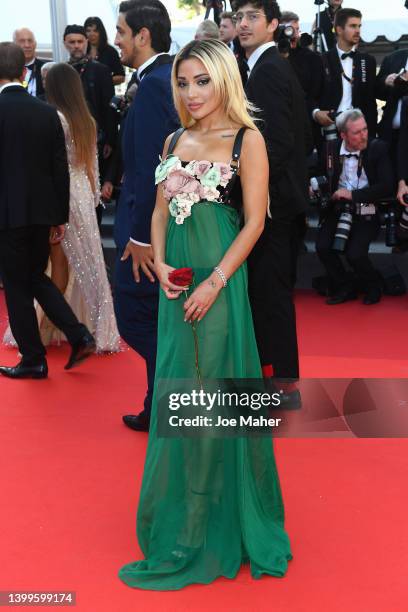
[271, 268]
[363, 232]
[24, 256]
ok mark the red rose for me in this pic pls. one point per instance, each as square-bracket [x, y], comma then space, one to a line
[182, 277]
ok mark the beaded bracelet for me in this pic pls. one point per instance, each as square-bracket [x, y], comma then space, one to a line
[221, 275]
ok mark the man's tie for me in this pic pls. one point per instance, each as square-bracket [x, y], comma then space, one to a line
[349, 54]
[351, 155]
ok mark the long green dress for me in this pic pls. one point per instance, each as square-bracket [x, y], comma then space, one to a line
[206, 505]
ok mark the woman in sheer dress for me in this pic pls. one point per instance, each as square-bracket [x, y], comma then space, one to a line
[207, 503]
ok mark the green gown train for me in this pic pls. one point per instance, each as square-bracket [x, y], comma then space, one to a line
[207, 505]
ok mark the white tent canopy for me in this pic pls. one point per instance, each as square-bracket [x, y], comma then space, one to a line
[389, 19]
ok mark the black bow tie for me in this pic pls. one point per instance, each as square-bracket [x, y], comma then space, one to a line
[349, 54]
[351, 155]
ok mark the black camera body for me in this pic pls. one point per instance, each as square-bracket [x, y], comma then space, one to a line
[284, 36]
[320, 187]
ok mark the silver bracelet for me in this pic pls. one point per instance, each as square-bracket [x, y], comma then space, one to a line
[221, 275]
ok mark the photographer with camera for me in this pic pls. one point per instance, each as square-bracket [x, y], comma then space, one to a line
[349, 76]
[360, 173]
[306, 63]
[392, 86]
[326, 20]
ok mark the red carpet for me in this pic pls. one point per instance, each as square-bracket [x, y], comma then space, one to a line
[70, 476]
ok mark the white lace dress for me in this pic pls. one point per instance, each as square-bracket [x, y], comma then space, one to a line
[88, 291]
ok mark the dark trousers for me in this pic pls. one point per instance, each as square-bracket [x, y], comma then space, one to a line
[24, 256]
[271, 268]
[217, 11]
[362, 233]
[136, 309]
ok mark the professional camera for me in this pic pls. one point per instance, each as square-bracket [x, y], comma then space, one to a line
[388, 217]
[284, 35]
[121, 103]
[330, 132]
[343, 226]
[319, 185]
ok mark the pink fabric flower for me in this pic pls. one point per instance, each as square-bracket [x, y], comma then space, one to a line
[180, 181]
[211, 194]
[201, 167]
[225, 171]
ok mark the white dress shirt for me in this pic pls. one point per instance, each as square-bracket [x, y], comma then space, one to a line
[255, 55]
[349, 178]
[139, 72]
[346, 101]
[396, 122]
[347, 65]
[31, 82]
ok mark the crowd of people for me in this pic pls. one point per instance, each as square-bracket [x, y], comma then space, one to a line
[237, 119]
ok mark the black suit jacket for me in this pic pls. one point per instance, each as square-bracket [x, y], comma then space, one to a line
[363, 87]
[99, 91]
[402, 164]
[377, 166]
[274, 89]
[391, 64]
[34, 178]
[38, 63]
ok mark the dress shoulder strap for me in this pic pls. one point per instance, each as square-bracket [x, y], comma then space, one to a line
[236, 150]
[174, 140]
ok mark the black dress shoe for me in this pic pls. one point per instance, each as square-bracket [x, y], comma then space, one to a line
[138, 422]
[22, 370]
[81, 350]
[288, 400]
[372, 297]
[340, 298]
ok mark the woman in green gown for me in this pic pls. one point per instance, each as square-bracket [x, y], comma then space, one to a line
[208, 504]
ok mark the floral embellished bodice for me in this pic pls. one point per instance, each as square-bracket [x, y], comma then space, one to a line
[186, 183]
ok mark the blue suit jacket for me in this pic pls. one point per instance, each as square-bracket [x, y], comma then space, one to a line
[151, 118]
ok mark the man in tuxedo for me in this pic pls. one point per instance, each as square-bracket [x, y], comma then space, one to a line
[362, 173]
[34, 199]
[25, 39]
[273, 87]
[143, 36]
[392, 86]
[349, 76]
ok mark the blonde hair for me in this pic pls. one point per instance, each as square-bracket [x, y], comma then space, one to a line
[223, 70]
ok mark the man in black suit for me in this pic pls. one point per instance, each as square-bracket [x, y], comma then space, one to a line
[307, 65]
[362, 173]
[402, 165]
[392, 86]
[273, 87]
[98, 90]
[34, 199]
[349, 76]
[25, 39]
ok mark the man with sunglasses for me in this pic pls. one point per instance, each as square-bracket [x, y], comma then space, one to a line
[274, 89]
